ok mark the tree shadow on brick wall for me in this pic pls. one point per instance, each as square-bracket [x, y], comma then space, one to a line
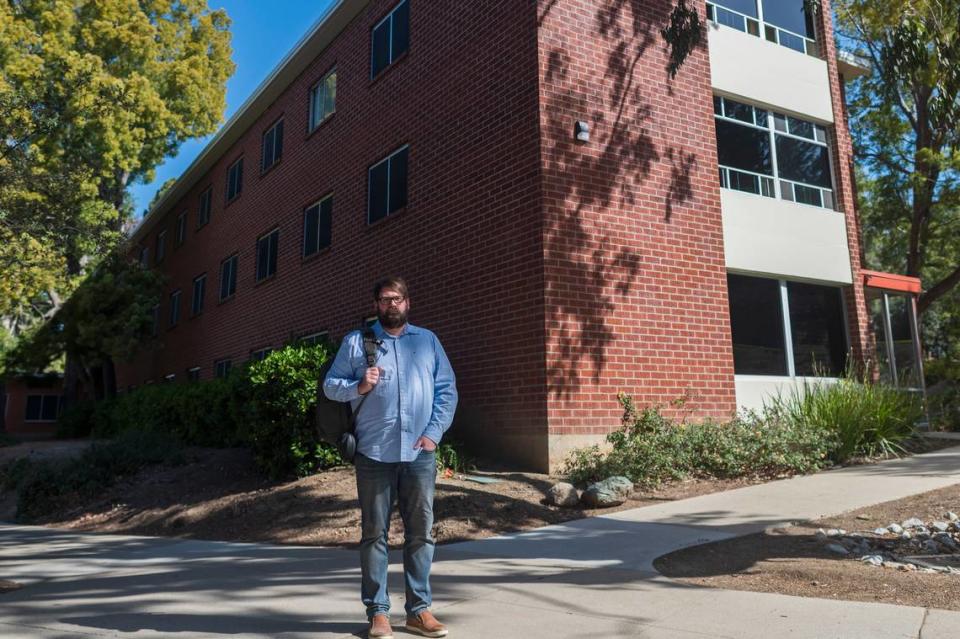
[608, 173]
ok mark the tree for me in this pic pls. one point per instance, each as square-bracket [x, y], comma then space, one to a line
[93, 95]
[904, 117]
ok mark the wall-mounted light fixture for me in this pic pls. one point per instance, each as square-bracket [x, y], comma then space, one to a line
[581, 131]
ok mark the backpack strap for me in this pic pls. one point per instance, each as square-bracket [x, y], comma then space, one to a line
[370, 346]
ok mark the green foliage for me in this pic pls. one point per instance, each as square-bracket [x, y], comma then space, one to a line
[7, 440]
[276, 414]
[864, 419]
[94, 94]
[903, 116]
[943, 393]
[108, 316]
[452, 454]
[44, 485]
[651, 449]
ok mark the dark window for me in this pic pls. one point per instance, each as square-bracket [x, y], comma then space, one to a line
[228, 276]
[144, 256]
[744, 147]
[787, 14]
[819, 336]
[193, 374]
[756, 322]
[174, 308]
[235, 179]
[155, 325]
[272, 147]
[323, 99]
[746, 7]
[259, 356]
[223, 367]
[161, 245]
[199, 290]
[803, 161]
[43, 408]
[317, 223]
[315, 338]
[34, 407]
[203, 216]
[390, 39]
[267, 254]
[387, 186]
[170, 378]
[181, 228]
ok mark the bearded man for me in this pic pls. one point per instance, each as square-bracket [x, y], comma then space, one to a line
[411, 396]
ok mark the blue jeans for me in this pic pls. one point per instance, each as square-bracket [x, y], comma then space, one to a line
[411, 484]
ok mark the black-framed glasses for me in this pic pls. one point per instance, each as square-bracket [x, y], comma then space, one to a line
[393, 299]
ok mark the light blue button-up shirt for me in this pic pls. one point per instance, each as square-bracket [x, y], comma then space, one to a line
[416, 394]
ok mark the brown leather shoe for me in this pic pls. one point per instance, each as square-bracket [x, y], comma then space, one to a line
[380, 628]
[426, 624]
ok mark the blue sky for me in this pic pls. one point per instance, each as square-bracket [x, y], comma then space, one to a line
[263, 32]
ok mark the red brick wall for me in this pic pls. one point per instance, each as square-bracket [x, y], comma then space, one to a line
[860, 332]
[469, 243]
[635, 278]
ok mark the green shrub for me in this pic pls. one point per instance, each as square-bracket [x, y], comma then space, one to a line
[276, 412]
[651, 449]
[864, 419]
[451, 454]
[7, 440]
[76, 421]
[43, 485]
[943, 393]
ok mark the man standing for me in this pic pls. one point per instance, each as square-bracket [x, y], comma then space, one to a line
[412, 396]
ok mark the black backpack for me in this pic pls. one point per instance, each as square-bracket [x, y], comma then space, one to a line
[336, 421]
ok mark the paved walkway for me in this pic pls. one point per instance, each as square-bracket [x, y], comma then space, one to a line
[588, 578]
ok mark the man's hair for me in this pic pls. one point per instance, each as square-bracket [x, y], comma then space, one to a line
[394, 282]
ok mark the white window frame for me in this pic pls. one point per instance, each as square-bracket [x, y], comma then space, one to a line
[320, 90]
[765, 29]
[388, 160]
[263, 237]
[226, 363]
[274, 156]
[391, 60]
[317, 204]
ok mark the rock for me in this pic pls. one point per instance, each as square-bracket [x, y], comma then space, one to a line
[563, 494]
[894, 565]
[896, 529]
[952, 516]
[612, 491]
[837, 549]
[873, 560]
[913, 522]
[821, 535]
[864, 517]
[921, 531]
[931, 546]
[836, 532]
[906, 536]
[880, 531]
[940, 526]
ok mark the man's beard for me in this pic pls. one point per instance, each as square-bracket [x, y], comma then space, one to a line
[392, 318]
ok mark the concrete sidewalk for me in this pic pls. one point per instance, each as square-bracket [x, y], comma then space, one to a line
[592, 577]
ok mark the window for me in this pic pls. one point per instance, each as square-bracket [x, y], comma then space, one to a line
[317, 223]
[390, 39]
[181, 229]
[169, 378]
[193, 374]
[174, 308]
[161, 245]
[314, 338]
[271, 147]
[155, 325]
[260, 355]
[267, 255]
[203, 215]
[387, 186]
[234, 179]
[228, 276]
[786, 328]
[42, 408]
[772, 154]
[323, 99]
[222, 367]
[144, 256]
[784, 22]
[199, 290]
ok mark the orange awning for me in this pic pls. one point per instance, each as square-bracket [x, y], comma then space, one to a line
[891, 282]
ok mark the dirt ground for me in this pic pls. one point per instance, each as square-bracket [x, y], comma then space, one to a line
[218, 495]
[791, 561]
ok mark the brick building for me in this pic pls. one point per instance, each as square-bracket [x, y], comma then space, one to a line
[573, 223]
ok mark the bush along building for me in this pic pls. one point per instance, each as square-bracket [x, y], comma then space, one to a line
[573, 222]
